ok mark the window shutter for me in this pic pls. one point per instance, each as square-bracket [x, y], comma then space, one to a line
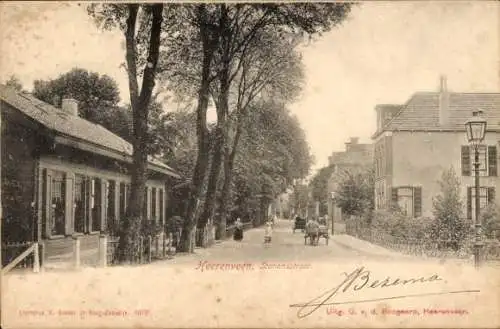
[417, 201]
[466, 161]
[492, 161]
[68, 195]
[469, 202]
[88, 220]
[47, 196]
[104, 204]
[491, 195]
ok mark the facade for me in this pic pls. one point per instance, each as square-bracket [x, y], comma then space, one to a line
[65, 177]
[357, 157]
[416, 142]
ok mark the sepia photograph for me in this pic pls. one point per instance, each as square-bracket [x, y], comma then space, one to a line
[229, 164]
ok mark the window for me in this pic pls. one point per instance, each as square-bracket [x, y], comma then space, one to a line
[153, 203]
[486, 196]
[127, 194]
[81, 203]
[405, 200]
[95, 204]
[408, 199]
[145, 204]
[161, 205]
[57, 203]
[110, 213]
[487, 160]
[123, 201]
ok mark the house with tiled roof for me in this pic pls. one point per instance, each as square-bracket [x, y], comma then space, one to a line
[65, 177]
[417, 141]
[357, 157]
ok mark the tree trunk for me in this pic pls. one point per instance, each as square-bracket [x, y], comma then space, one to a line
[209, 43]
[200, 167]
[229, 157]
[225, 197]
[213, 178]
[130, 233]
[222, 107]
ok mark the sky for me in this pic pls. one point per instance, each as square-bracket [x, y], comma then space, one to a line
[383, 53]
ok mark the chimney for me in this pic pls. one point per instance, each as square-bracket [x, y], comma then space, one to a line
[385, 113]
[354, 140]
[444, 102]
[70, 106]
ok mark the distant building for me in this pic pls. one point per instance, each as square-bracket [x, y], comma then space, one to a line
[65, 177]
[357, 157]
[417, 141]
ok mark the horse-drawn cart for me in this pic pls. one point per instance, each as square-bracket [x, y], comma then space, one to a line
[314, 232]
[299, 224]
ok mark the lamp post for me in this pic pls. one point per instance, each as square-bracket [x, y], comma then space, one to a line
[475, 128]
[332, 197]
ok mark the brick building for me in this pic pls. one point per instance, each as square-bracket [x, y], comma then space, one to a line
[356, 157]
[417, 141]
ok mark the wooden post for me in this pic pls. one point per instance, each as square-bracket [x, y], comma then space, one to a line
[140, 249]
[103, 250]
[163, 237]
[42, 257]
[150, 244]
[76, 252]
[36, 261]
[157, 243]
[170, 241]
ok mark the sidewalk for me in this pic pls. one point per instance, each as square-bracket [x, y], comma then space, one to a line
[363, 246]
[366, 247]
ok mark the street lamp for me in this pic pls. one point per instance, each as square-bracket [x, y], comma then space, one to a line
[475, 128]
[332, 198]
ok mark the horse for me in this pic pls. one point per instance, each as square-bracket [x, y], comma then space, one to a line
[312, 232]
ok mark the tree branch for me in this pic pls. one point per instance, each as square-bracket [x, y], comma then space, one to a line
[131, 53]
[148, 80]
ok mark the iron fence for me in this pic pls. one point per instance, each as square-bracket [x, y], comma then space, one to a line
[146, 249]
[431, 247]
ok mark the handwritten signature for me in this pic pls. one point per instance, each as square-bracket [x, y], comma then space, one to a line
[360, 279]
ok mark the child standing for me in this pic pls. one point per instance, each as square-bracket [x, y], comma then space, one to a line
[268, 232]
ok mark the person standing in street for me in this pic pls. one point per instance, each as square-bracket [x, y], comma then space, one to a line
[238, 230]
[268, 232]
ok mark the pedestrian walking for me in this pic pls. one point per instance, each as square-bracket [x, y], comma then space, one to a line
[238, 230]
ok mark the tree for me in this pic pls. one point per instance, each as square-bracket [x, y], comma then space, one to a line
[319, 186]
[243, 28]
[204, 34]
[490, 219]
[300, 198]
[142, 27]
[355, 192]
[274, 68]
[273, 153]
[15, 83]
[448, 211]
[97, 96]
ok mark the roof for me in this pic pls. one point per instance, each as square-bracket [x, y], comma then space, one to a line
[75, 127]
[359, 154]
[421, 112]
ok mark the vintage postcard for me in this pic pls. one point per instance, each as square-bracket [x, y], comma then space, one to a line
[250, 165]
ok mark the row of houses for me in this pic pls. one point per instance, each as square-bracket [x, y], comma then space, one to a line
[415, 142]
[65, 177]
